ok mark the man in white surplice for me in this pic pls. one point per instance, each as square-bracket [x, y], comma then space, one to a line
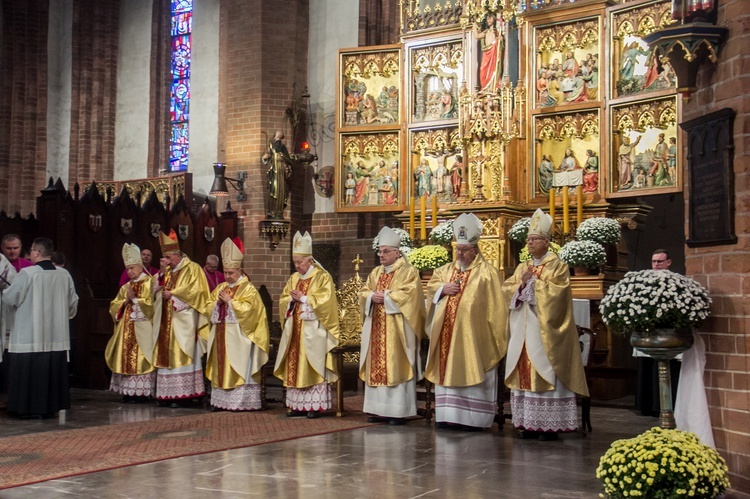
[7, 274]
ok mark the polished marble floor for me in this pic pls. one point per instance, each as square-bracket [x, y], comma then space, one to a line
[411, 461]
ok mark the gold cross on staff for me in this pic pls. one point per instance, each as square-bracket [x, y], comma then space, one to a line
[357, 260]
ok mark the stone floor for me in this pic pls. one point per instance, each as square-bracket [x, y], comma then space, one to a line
[415, 460]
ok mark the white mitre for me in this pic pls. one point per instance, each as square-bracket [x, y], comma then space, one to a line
[467, 229]
[541, 224]
[302, 245]
[131, 254]
[389, 237]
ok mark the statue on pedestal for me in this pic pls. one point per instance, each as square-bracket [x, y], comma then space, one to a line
[279, 171]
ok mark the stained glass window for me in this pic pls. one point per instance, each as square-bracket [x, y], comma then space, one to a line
[179, 106]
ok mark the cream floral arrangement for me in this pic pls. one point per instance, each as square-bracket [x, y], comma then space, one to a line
[645, 300]
[520, 230]
[583, 254]
[431, 256]
[443, 233]
[406, 243]
[525, 256]
[600, 230]
[662, 463]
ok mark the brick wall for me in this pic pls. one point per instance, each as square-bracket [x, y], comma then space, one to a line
[94, 89]
[23, 104]
[725, 270]
[264, 53]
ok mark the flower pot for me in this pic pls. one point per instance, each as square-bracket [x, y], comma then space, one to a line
[581, 271]
[425, 275]
[664, 343]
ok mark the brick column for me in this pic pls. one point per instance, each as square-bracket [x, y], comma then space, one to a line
[94, 90]
[263, 50]
[23, 105]
[725, 270]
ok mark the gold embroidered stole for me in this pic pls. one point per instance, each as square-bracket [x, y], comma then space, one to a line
[378, 346]
[451, 308]
[220, 342]
[129, 341]
[164, 341]
[294, 342]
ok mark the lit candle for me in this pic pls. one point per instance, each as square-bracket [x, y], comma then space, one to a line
[422, 218]
[552, 205]
[434, 211]
[579, 204]
[566, 211]
[411, 218]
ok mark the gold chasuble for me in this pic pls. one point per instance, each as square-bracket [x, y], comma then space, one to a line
[179, 321]
[554, 310]
[385, 357]
[303, 359]
[130, 349]
[467, 331]
[238, 327]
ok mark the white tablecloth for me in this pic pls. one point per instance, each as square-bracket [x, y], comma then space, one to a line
[581, 312]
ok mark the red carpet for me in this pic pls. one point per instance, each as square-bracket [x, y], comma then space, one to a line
[45, 456]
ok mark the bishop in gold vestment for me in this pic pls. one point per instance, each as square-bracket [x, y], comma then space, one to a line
[310, 330]
[392, 306]
[180, 301]
[129, 351]
[238, 342]
[544, 368]
[466, 327]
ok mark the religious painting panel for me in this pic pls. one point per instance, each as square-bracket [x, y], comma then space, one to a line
[567, 65]
[436, 166]
[645, 145]
[567, 142]
[636, 68]
[370, 87]
[435, 70]
[370, 173]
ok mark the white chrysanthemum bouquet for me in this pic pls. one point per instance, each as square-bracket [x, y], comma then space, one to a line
[583, 254]
[443, 233]
[645, 300]
[600, 230]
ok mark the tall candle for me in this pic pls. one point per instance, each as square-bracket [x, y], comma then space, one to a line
[422, 218]
[566, 211]
[434, 211]
[411, 218]
[579, 205]
[552, 205]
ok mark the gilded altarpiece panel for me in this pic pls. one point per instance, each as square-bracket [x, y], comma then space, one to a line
[635, 68]
[370, 87]
[567, 63]
[645, 148]
[566, 142]
[435, 164]
[370, 172]
[435, 71]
